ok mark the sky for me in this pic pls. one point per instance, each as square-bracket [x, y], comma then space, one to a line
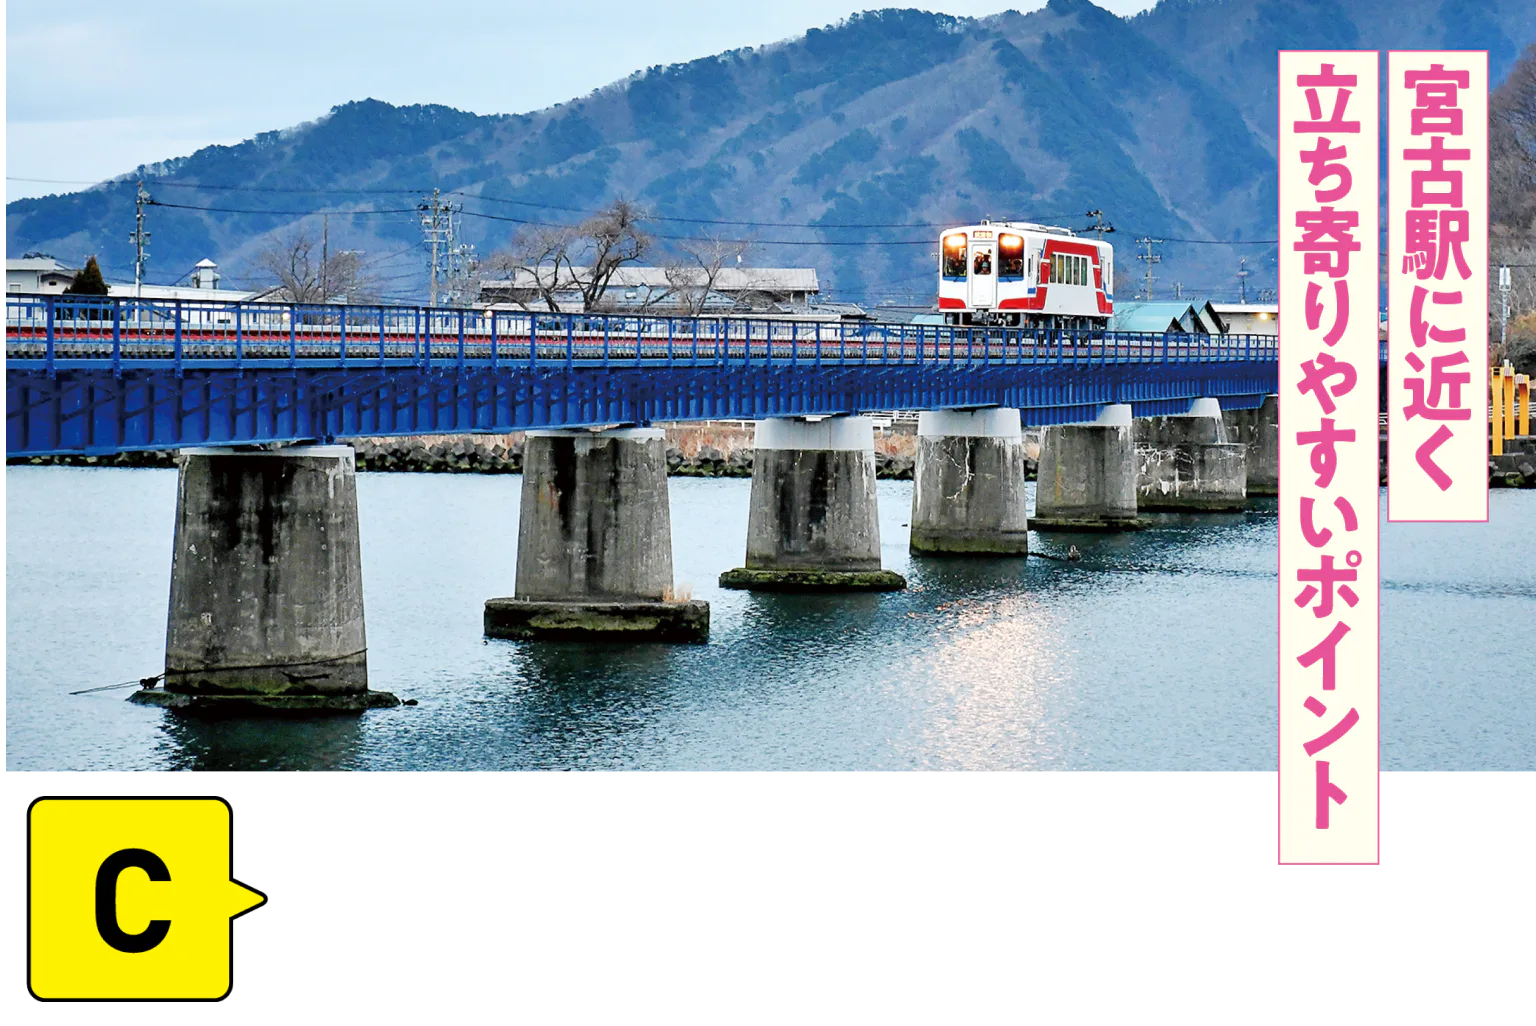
[96, 87]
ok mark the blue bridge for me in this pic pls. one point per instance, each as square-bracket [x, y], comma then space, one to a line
[100, 376]
[266, 603]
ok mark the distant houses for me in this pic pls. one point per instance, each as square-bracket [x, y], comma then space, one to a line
[660, 290]
[1249, 318]
[40, 275]
[1181, 317]
[48, 276]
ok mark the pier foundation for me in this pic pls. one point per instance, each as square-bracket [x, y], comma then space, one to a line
[968, 497]
[594, 543]
[813, 523]
[1087, 475]
[266, 606]
[1259, 430]
[1185, 463]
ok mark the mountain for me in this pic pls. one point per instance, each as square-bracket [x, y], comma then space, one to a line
[1165, 121]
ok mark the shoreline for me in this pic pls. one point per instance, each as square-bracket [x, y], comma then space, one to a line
[706, 449]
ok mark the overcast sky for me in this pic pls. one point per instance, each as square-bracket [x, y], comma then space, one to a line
[96, 87]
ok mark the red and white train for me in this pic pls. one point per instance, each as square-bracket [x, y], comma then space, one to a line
[1017, 273]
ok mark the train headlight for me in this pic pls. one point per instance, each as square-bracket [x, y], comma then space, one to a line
[1012, 242]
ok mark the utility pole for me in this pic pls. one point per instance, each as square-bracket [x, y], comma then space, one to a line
[1151, 258]
[1504, 309]
[437, 232]
[325, 259]
[140, 239]
[461, 266]
[1100, 227]
[1242, 280]
[433, 234]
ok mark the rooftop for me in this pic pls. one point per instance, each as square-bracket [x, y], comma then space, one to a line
[1245, 308]
[728, 279]
[37, 264]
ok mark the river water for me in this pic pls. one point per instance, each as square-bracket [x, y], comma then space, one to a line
[1155, 652]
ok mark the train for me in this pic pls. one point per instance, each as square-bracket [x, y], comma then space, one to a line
[1021, 274]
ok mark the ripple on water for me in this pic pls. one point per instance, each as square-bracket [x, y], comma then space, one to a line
[1155, 651]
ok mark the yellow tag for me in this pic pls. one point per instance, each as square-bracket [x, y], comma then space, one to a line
[132, 899]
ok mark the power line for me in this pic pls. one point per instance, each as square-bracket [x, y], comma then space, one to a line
[1100, 228]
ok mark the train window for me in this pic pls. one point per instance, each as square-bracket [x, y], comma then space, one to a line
[982, 264]
[952, 261]
[1010, 257]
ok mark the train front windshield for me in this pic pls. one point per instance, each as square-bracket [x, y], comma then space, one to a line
[953, 258]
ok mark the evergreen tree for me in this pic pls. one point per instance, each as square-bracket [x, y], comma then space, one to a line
[89, 281]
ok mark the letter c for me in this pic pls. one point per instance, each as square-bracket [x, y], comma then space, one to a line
[106, 900]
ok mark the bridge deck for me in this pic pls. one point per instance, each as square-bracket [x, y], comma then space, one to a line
[101, 376]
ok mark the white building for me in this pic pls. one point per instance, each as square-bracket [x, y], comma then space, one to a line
[204, 287]
[38, 275]
[1249, 318]
[46, 276]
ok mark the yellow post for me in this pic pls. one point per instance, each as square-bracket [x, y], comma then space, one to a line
[1496, 412]
[1509, 400]
[1523, 401]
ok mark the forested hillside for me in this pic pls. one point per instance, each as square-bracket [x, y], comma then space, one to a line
[842, 149]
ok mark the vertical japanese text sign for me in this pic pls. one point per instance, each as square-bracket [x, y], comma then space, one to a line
[1329, 364]
[1437, 285]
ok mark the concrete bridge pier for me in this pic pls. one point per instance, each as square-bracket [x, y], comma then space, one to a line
[813, 523]
[594, 543]
[266, 607]
[1087, 475]
[968, 495]
[1186, 463]
[1259, 430]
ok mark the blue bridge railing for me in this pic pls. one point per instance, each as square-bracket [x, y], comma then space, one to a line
[192, 332]
[104, 375]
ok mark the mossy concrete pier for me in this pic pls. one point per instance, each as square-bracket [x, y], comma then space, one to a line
[594, 543]
[1087, 475]
[969, 497]
[1259, 430]
[266, 603]
[813, 523]
[1185, 463]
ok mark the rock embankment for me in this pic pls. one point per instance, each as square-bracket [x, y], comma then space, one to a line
[711, 449]
[693, 450]
[1515, 468]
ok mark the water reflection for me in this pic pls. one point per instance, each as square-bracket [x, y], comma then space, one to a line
[193, 742]
[1154, 650]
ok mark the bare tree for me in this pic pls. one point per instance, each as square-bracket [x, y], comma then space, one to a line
[1512, 210]
[694, 275]
[1512, 147]
[547, 261]
[294, 264]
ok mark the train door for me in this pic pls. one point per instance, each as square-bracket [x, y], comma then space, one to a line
[983, 276]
